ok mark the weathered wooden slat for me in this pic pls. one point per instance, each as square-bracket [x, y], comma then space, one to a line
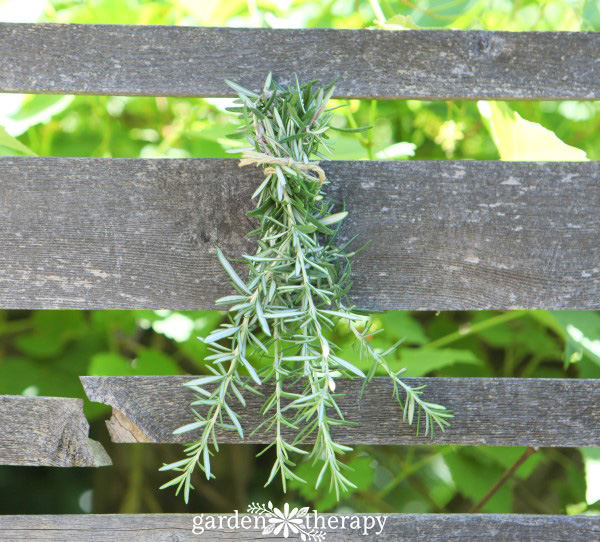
[47, 431]
[488, 411]
[99, 233]
[396, 527]
[186, 61]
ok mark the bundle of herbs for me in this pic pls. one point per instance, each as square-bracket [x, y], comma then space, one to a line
[295, 293]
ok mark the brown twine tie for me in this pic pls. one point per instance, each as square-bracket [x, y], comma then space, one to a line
[259, 158]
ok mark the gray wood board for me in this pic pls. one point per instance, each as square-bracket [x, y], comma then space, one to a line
[190, 61]
[488, 411]
[125, 233]
[47, 431]
[397, 527]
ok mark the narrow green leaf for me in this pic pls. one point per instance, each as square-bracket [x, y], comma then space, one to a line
[351, 130]
[231, 272]
[219, 334]
[190, 427]
[203, 380]
[261, 318]
[333, 219]
[241, 90]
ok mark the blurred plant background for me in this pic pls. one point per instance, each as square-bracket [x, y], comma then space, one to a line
[44, 352]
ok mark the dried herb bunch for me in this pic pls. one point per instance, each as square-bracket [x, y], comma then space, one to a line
[294, 294]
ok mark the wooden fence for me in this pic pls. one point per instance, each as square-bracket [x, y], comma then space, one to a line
[489, 411]
[127, 234]
[103, 233]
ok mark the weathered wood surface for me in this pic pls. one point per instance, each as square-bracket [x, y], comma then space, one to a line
[186, 61]
[99, 233]
[397, 527]
[46, 431]
[488, 411]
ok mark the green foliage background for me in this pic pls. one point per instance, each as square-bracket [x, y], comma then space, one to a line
[44, 352]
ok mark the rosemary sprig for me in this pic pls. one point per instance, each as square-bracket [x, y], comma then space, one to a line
[297, 281]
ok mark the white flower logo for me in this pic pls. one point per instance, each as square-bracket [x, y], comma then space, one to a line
[286, 522]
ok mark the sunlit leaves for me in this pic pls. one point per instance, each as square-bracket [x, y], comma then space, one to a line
[520, 139]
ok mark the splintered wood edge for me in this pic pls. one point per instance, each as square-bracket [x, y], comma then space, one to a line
[121, 425]
[47, 431]
[122, 429]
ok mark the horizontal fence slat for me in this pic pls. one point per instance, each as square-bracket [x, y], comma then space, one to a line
[47, 431]
[488, 411]
[396, 527]
[126, 233]
[191, 61]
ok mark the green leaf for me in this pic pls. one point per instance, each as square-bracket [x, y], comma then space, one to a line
[234, 419]
[419, 362]
[401, 325]
[351, 130]
[231, 272]
[18, 374]
[154, 362]
[333, 219]
[346, 365]
[176, 465]
[53, 331]
[345, 315]
[473, 479]
[261, 318]
[37, 109]
[9, 146]
[240, 89]
[506, 457]
[110, 364]
[311, 228]
[203, 380]
[190, 427]
[523, 336]
[219, 334]
[520, 139]
[579, 329]
[251, 371]
[172, 482]
[40, 345]
[361, 474]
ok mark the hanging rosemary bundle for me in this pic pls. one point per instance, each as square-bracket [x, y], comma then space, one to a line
[295, 292]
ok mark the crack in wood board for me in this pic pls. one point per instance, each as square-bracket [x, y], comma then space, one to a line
[47, 431]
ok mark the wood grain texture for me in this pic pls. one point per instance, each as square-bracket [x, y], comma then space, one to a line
[98, 233]
[47, 431]
[186, 61]
[397, 527]
[488, 411]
